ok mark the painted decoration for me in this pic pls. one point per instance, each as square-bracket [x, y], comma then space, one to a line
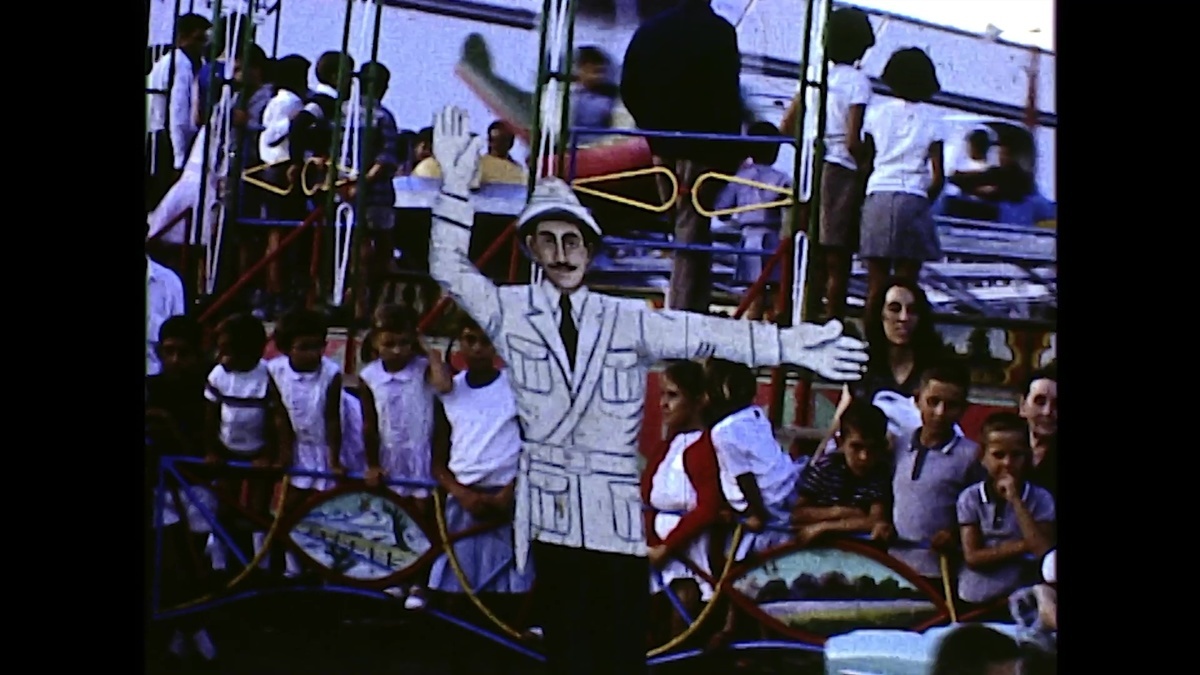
[811, 593]
[580, 384]
[362, 536]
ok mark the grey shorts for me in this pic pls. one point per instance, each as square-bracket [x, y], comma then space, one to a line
[899, 226]
[841, 206]
[380, 218]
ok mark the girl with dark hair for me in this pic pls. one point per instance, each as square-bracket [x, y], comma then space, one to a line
[680, 485]
[898, 230]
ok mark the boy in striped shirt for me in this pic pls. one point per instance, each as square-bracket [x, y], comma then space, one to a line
[848, 490]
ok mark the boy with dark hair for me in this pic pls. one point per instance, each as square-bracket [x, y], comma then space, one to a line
[760, 226]
[381, 157]
[312, 129]
[975, 649]
[1003, 517]
[174, 427]
[848, 490]
[933, 467]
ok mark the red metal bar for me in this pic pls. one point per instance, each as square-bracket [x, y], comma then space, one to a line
[782, 297]
[760, 284]
[514, 260]
[484, 257]
[314, 268]
[257, 267]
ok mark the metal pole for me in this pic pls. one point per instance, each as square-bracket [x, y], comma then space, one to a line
[364, 129]
[560, 155]
[233, 174]
[206, 118]
[170, 84]
[278, 20]
[335, 143]
[535, 132]
[812, 295]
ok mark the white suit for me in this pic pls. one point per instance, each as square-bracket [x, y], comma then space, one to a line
[578, 483]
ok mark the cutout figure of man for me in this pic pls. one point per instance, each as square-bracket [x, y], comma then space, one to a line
[578, 361]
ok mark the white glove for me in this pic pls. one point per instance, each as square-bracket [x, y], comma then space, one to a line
[456, 150]
[825, 351]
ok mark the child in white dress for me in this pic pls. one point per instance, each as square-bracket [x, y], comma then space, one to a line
[478, 471]
[310, 386]
[245, 419]
[398, 395]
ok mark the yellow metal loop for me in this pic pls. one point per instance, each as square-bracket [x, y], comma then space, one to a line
[248, 176]
[310, 190]
[655, 208]
[738, 209]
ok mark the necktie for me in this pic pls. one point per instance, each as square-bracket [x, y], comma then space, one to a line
[567, 328]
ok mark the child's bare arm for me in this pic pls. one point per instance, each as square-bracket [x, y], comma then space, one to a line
[333, 423]
[854, 125]
[936, 165]
[440, 459]
[977, 556]
[212, 431]
[370, 426]
[1038, 536]
[754, 499]
[857, 521]
[438, 373]
[285, 435]
[803, 513]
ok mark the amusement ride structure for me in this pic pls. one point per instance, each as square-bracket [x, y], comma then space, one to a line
[365, 542]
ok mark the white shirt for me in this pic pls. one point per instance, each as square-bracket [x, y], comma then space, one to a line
[745, 443]
[277, 118]
[1050, 567]
[848, 86]
[183, 128]
[243, 423]
[485, 438]
[164, 299]
[903, 132]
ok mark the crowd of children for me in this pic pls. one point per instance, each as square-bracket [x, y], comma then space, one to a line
[942, 504]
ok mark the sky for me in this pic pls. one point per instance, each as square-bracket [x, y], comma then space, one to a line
[1016, 18]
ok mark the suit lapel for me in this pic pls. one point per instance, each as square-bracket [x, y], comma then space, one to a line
[542, 319]
[588, 379]
[589, 332]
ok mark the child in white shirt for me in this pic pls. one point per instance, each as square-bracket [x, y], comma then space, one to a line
[478, 471]
[897, 223]
[245, 419]
[310, 387]
[848, 37]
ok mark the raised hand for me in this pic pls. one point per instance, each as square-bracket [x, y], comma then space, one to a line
[456, 149]
[825, 350]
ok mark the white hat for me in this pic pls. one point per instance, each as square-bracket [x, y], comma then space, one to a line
[1050, 567]
[553, 196]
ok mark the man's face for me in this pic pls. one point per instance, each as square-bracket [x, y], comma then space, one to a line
[1040, 407]
[195, 43]
[500, 142]
[559, 247]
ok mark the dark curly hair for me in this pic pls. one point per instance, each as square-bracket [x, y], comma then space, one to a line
[299, 323]
[246, 334]
[911, 75]
[928, 348]
[848, 35]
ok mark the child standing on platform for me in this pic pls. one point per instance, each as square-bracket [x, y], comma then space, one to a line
[479, 471]
[245, 419]
[398, 395]
[310, 387]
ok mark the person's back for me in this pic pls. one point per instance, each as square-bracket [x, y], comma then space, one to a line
[902, 131]
[682, 73]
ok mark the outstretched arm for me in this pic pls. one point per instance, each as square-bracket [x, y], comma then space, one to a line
[669, 334]
[453, 216]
